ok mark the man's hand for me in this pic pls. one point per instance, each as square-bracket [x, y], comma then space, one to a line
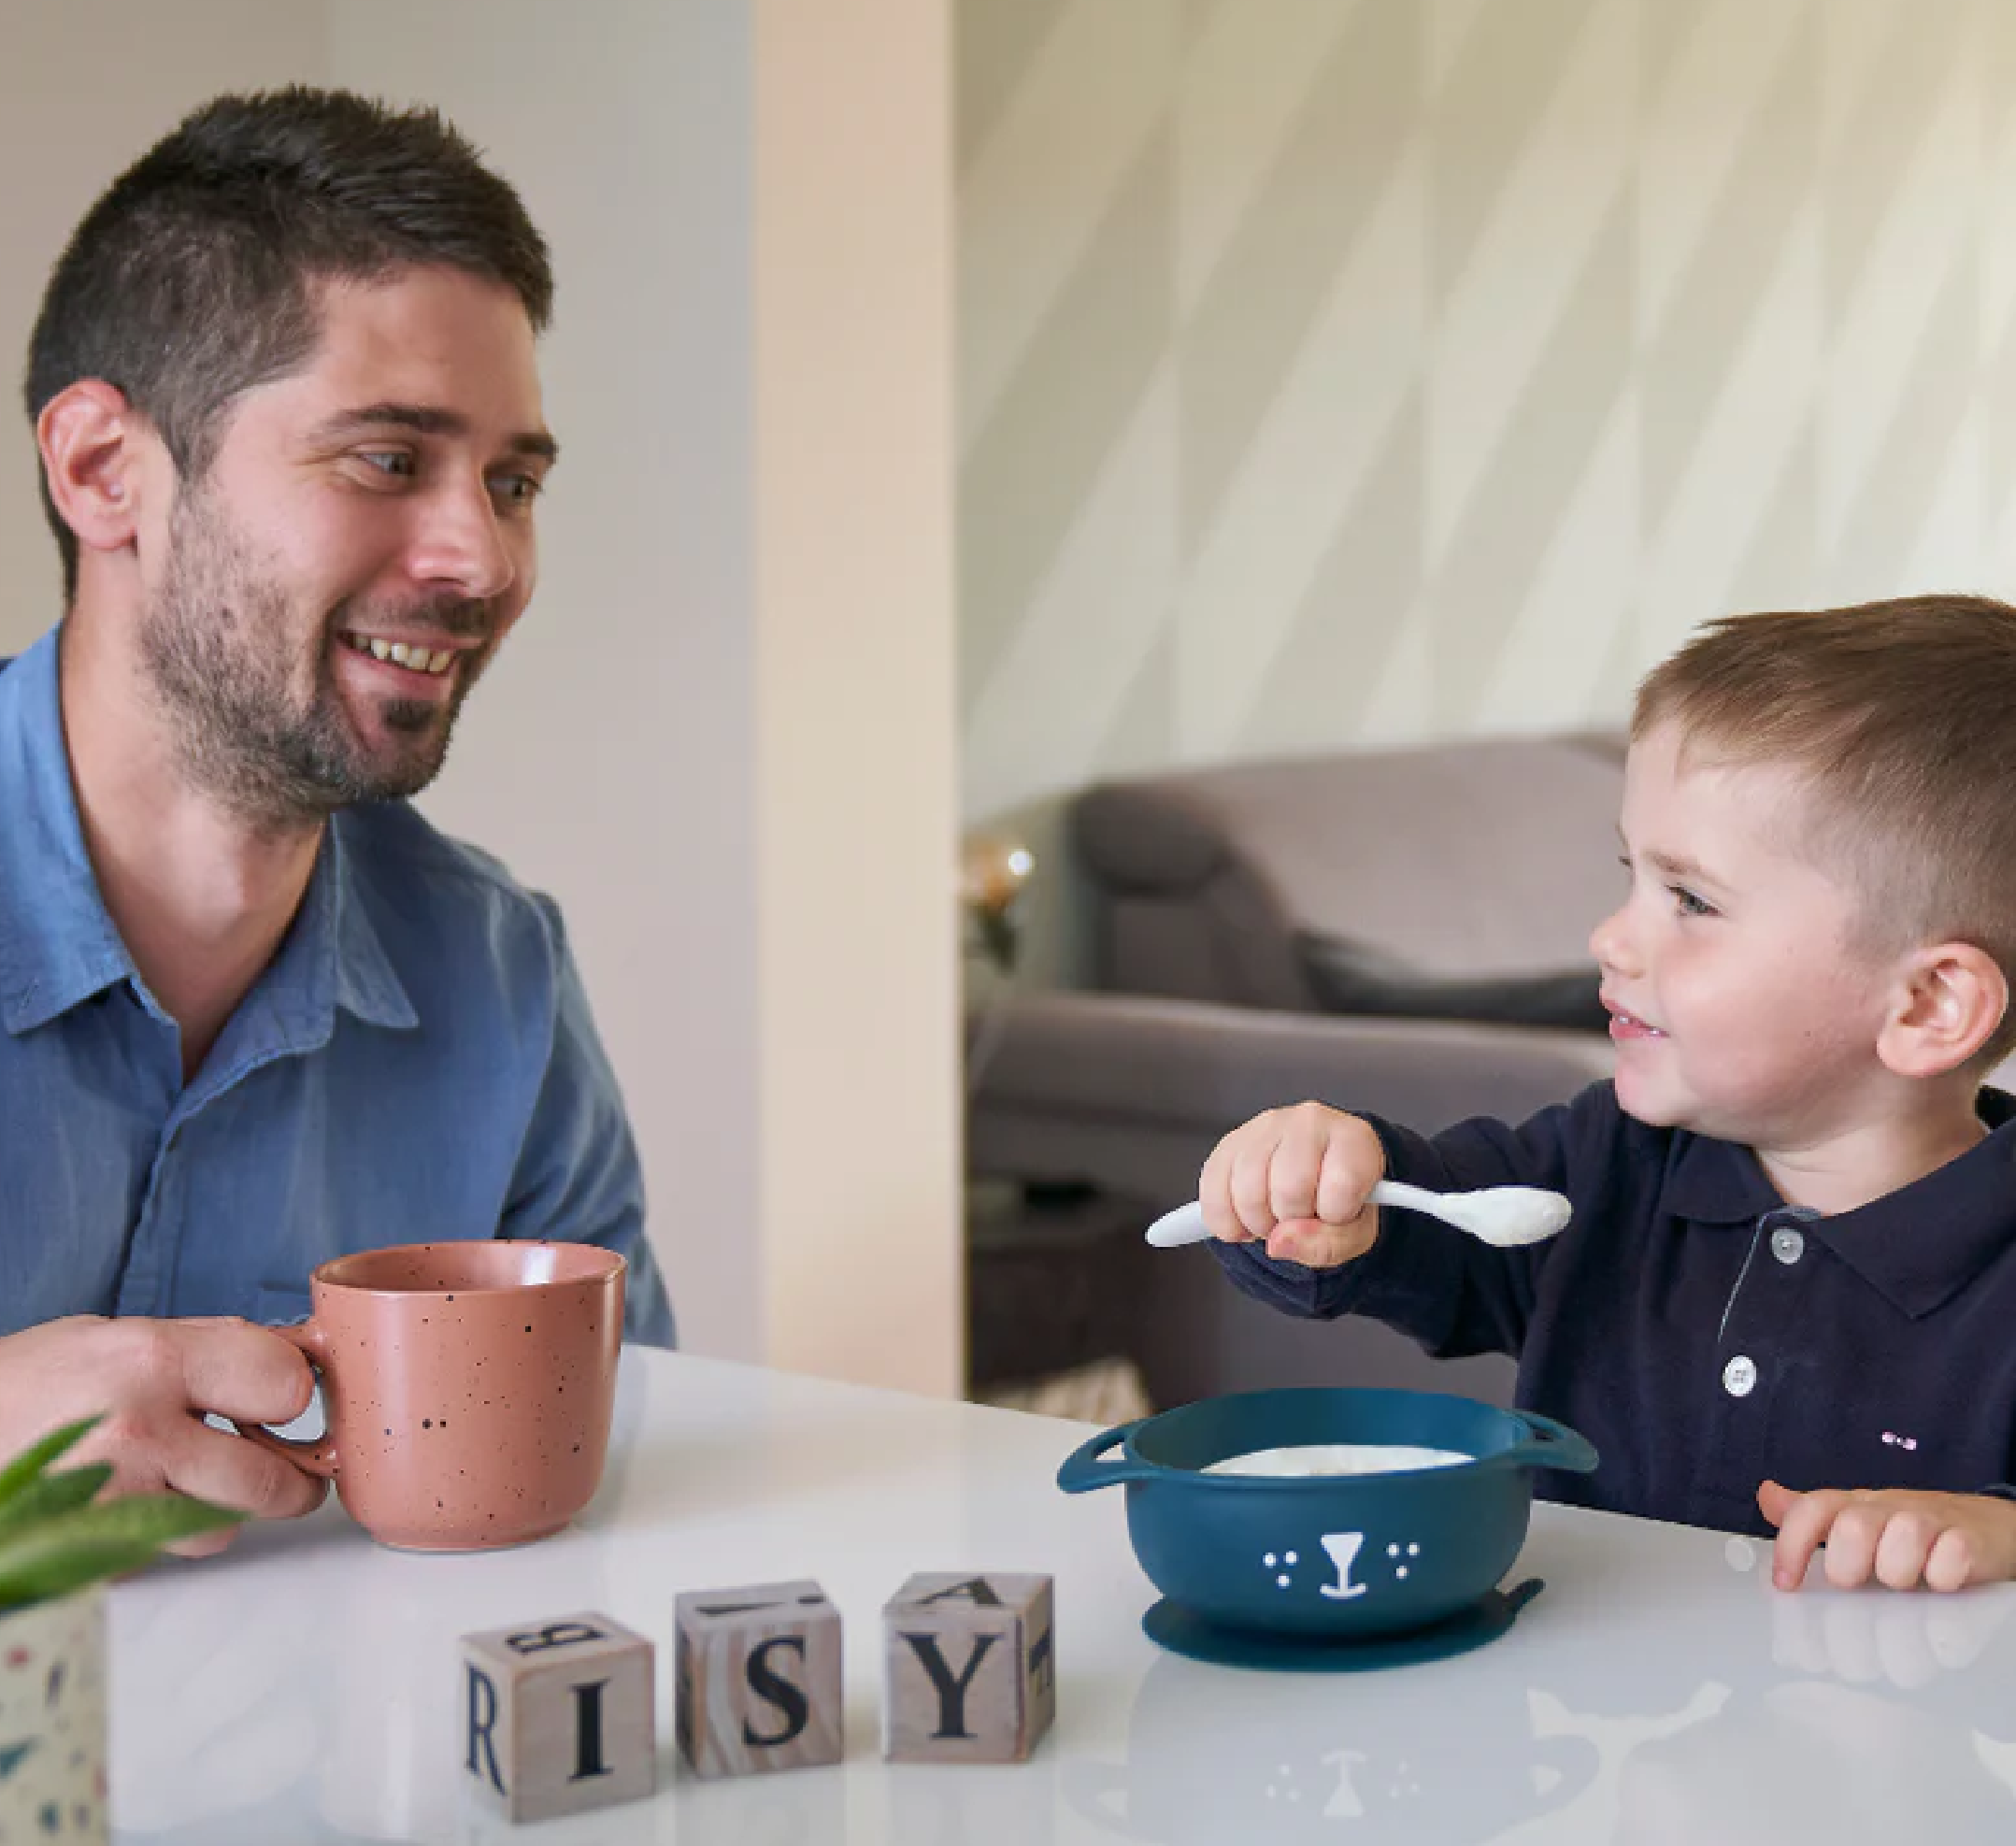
[1296, 1178]
[1892, 1535]
[151, 1382]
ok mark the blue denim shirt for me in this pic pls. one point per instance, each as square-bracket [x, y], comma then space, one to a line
[416, 1064]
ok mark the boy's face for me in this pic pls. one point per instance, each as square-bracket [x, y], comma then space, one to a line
[1739, 1007]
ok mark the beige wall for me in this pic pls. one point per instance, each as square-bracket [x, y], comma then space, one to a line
[1339, 371]
[680, 744]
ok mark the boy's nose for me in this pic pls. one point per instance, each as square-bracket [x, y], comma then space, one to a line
[1608, 942]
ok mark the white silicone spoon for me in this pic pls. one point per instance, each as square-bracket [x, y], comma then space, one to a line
[1503, 1215]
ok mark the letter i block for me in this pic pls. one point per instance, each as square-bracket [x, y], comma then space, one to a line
[558, 1718]
[758, 1673]
[972, 1665]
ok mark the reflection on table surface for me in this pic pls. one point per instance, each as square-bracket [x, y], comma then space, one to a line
[303, 1688]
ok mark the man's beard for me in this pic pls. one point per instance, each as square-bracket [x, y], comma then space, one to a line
[218, 646]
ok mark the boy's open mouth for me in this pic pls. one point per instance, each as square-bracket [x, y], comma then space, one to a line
[1628, 1025]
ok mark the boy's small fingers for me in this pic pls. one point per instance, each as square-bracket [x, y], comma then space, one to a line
[1902, 1549]
[1852, 1540]
[1801, 1526]
[1248, 1189]
[1950, 1564]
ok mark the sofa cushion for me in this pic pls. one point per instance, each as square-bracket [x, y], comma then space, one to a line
[1349, 978]
[1473, 862]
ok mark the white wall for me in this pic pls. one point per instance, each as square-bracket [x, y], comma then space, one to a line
[740, 784]
[1336, 372]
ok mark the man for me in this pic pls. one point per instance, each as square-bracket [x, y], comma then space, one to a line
[254, 1011]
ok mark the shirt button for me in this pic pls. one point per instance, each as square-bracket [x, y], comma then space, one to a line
[1788, 1246]
[1740, 1376]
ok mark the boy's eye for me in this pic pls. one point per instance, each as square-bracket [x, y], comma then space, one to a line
[1687, 904]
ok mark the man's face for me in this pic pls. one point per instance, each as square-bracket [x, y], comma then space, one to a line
[336, 582]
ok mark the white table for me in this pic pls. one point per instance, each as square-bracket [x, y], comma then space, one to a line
[303, 1688]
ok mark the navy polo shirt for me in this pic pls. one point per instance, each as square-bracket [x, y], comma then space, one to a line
[1701, 1332]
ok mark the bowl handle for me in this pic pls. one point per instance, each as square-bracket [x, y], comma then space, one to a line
[1084, 1470]
[1550, 1444]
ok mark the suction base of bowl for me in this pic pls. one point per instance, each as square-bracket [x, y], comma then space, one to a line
[1175, 1628]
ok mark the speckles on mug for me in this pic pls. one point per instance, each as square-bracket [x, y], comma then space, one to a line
[426, 1423]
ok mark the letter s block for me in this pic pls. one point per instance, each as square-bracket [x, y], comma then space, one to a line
[557, 1716]
[972, 1668]
[758, 1674]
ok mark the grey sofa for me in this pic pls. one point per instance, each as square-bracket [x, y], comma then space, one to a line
[1402, 931]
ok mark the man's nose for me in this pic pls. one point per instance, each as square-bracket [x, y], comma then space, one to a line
[460, 542]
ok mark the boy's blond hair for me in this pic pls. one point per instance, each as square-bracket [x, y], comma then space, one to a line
[1902, 718]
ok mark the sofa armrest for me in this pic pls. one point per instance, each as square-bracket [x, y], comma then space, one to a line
[1131, 1094]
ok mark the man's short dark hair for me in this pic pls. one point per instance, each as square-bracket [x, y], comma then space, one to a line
[194, 277]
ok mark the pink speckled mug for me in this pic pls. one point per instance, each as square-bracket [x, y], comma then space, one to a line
[467, 1387]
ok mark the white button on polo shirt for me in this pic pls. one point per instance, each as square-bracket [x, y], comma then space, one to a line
[1739, 1376]
[1788, 1246]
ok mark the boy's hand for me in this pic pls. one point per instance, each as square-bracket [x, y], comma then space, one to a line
[1899, 1537]
[1296, 1178]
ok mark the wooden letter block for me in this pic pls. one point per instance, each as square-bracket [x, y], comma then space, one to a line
[758, 1674]
[557, 1716]
[972, 1669]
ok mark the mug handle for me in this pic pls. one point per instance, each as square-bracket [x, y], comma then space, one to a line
[317, 1457]
[1083, 1470]
[1550, 1444]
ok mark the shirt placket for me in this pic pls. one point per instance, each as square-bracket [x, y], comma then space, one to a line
[1749, 1359]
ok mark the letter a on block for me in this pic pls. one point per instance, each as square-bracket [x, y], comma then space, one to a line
[558, 1716]
[970, 1665]
[757, 1673]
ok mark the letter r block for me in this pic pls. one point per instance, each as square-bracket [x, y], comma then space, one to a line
[972, 1668]
[557, 1716]
[758, 1677]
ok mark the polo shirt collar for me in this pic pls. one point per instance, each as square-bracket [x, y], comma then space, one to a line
[1918, 1246]
[58, 944]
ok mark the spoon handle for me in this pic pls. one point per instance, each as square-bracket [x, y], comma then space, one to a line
[1185, 1224]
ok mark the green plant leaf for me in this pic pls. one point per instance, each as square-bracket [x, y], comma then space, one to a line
[29, 1464]
[51, 1493]
[62, 1554]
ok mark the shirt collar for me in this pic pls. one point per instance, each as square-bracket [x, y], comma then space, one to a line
[1918, 1246]
[59, 945]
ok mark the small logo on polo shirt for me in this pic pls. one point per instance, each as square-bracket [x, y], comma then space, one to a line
[1894, 1440]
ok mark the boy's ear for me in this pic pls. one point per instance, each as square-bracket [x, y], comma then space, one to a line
[1950, 999]
[87, 435]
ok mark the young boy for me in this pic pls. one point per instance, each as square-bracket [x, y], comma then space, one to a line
[1793, 1258]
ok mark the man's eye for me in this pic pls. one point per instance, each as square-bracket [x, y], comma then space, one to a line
[516, 490]
[393, 462]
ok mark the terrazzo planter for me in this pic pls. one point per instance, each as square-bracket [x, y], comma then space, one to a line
[53, 1759]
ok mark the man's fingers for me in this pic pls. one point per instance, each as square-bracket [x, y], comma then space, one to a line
[229, 1471]
[247, 1373]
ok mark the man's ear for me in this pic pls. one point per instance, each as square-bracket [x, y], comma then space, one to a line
[89, 436]
[1949, 1000]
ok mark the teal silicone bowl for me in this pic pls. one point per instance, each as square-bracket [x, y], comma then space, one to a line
[1333, 1557]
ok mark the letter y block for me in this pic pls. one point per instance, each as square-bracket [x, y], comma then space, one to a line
[972, 1668]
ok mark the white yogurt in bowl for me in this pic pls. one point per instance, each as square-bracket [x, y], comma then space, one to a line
[1311, 1458]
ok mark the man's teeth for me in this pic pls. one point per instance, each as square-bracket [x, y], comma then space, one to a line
[419, 659]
